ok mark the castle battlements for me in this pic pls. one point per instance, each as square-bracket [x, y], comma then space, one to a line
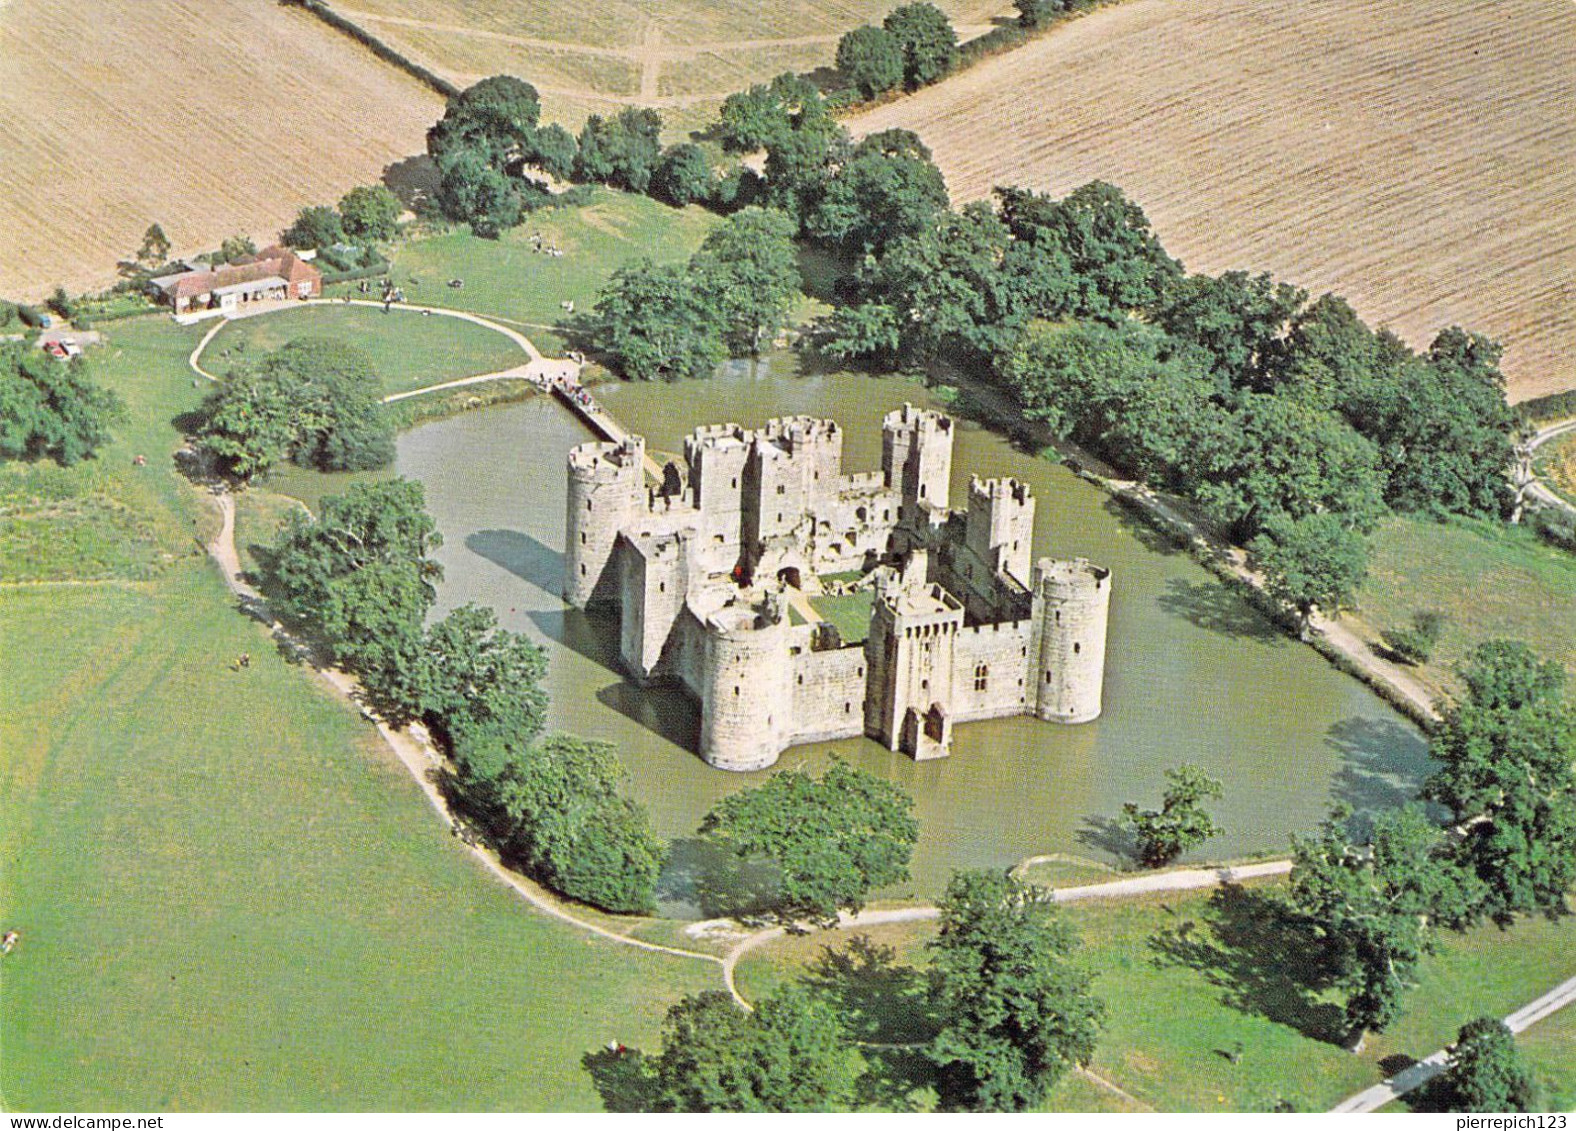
[799, 604]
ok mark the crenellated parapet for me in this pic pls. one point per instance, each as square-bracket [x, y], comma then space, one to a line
[733, 575]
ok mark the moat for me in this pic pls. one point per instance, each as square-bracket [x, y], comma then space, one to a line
[1193, 673]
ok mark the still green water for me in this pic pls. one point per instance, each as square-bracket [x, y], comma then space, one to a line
[1194, 674]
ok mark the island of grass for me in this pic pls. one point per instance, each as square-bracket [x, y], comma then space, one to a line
[408, 350]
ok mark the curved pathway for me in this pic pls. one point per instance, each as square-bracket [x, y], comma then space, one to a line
[540, 370]
[417, 754]
[1535, 487]
[409, 745]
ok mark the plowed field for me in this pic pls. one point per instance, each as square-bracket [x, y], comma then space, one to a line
[1417, 156]
[680, 56]
[209, 118]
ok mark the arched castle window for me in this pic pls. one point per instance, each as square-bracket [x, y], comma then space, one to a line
[588, 504]
[781, 489]
[736, 689]
[861, 514]
[1077, 647]
[981, 677]
[582, 537]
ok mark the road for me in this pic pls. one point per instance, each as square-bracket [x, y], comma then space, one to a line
[1536, 489]
[1372, 1099]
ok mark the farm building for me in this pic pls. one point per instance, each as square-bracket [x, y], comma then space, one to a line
[274, 274]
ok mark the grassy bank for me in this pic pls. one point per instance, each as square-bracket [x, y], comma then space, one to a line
[1205, 1014]
[508, 278]
[1491, 580]
[230, 895]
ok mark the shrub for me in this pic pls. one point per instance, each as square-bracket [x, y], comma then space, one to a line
[1555, 526]
[1415, 642]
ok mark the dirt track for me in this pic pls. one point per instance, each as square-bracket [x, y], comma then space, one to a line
[1418, 157]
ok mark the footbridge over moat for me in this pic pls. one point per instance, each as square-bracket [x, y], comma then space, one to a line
[597, 418]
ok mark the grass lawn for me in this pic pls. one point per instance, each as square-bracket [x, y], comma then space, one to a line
[108, 518]
[507, 278]
[1493, 581]
[1550, 1047]
[230, 895]
[1182, 1001]
[408, 350]
[850, 613]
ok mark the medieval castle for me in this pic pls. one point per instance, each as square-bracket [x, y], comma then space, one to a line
[717, 574]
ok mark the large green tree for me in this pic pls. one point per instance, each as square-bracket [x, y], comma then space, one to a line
[789, 1055]
[1487, 1072]
[1117, 262]
[832, 840]
[497, 116]
[474, 190]
[1277, 457]
[747, 271]
[52, 409]
[683, 175]
[316, 226]
[756, 118]
[1015, 1014]
[370, 213]
[479, 675]
[1181, 824]
[1313, 562]
[313, 400]
[623, 150]
[872, 59]
[567, 821]
[657, 324]
[1374, 905]
[929, 45]
[1507, 774]
[1238, 319]
[371, 524]
[886, 189]
[360, 573]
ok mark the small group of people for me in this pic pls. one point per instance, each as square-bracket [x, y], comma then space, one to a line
[538, 244]
[391, 296]
[244, 660]
[576, 392]
[9, 940]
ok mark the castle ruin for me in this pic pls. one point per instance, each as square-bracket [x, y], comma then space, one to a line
[798, 604]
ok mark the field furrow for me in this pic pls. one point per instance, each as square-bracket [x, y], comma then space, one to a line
[1418, 157]
[119, 114]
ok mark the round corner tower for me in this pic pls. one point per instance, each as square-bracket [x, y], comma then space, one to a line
[606, 491]
[745, 693]
[1072, 605]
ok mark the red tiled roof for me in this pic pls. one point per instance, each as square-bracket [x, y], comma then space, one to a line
[270, 261]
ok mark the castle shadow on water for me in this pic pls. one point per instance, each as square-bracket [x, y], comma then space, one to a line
[798, 604]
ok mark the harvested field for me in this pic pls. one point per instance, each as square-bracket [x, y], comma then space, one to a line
[1417, 157]
[681, 56]
[117, 114]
